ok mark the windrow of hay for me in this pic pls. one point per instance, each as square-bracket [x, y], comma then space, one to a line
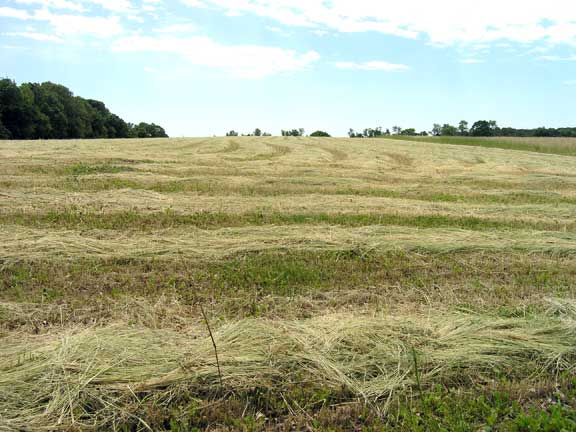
[100, 377]
[148, 203]
[26, 243]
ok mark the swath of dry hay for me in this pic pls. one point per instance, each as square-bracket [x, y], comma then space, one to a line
[185, 203]
[95, 376]
[27, 243]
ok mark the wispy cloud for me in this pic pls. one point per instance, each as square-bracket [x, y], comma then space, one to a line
[442, 22]
[70, 25]
[176, 28]
[554, 58]
[239, 61]
[35, 36]
[372, 66]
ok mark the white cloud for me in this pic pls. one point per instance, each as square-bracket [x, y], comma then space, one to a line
[176, 28]
[441, 22]
[57, 4]
[239, 61]
[151, 70]
[82, 5]
[113, 5]
[70, 25]
[194, 3]
[554, 58]
[35, 36]
[372, 66]
[570, 83]
[9, 12]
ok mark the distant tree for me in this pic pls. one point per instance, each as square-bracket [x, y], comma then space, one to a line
[436, 129]
[463, 127]
[354, 134]
[232, 133]
[409, 132]
[266, 134]
[387, 133]
[423, 133]
[372, 132]
[320, 134]
[257, 132]
[293, 132]
[448, 130]
[482, 128]
[396, 130]
[145, 130]
[543, 132]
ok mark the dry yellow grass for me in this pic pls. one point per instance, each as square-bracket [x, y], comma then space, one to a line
[98, 377]
[22, 243]
[143, 353]
[285, 175]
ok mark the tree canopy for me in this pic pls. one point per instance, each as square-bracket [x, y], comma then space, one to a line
[320, 133]
[51, 111]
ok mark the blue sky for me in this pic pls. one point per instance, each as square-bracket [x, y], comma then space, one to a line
[203, 67]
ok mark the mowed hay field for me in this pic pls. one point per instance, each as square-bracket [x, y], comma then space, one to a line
[348, 285]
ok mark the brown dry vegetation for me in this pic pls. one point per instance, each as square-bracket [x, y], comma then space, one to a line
[345, 280]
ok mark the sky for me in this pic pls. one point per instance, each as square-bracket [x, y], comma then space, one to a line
[204, 67]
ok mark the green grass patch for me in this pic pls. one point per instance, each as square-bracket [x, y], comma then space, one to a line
[241, 283]
[134, 220]
[435, 410]
[548, 146]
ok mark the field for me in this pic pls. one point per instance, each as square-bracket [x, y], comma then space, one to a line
[287, 284]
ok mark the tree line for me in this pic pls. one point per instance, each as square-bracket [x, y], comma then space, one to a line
[481, 128]
[285, 133]
[487, 128]
[51, 111]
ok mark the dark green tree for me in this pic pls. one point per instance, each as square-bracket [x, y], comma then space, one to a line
[16, 114]
[409, 132]
[320, 134]
[51, 111]
[4, 133]
[481, 128]
[448, 130]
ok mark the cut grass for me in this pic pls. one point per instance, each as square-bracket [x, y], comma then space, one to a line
[135, 220]
[272, 284]
[17, 242]
[214, 187]
[351, 284]
[99, 377]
